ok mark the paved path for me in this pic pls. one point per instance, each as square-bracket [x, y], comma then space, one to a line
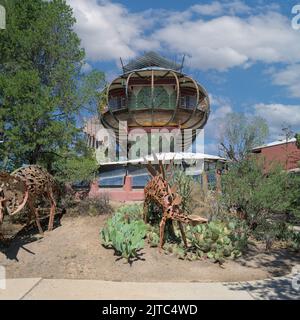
[28, 289]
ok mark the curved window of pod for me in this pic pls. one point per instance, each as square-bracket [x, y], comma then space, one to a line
[144, 98]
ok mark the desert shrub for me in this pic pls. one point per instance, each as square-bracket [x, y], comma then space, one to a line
[294, 240]
[68, 201]
[207, 204]
[194, 199]
[259, 195]
[88, 206]
[218, 240]
[125, 232]
[184, 184]
[153, 236]
[131, 212]
[271, 230]
[294, 196]
[154, 216]
[269, 201]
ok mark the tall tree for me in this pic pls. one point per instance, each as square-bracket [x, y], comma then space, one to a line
[240, 134]
[42, 87]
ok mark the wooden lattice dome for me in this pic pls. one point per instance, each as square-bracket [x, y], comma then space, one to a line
[154, 93]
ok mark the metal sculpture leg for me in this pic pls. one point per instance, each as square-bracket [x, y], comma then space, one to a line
[29, 218]
[2, 200]
[36, 214]
[159, 192]
[1, 220]
[162, 232]
[52, 211]
[182, 233]
[145, 211]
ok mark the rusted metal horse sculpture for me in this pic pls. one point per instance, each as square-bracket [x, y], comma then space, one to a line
[159, 192]
[24, 186]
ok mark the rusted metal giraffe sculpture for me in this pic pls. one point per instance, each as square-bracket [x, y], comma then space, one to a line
[159, 191]
[24, 186]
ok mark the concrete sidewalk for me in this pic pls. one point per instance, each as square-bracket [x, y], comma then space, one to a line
[61, 289]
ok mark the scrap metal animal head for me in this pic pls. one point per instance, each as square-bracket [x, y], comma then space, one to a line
[13, 194]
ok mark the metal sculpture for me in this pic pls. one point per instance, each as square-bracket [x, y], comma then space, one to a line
[159, 191]
[24, 186]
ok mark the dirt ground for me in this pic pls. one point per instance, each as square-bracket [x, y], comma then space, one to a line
[73, 250]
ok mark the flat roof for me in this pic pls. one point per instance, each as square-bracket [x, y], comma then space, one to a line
[275, 143]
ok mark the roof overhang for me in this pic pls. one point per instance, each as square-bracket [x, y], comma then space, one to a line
[167, 157]
[274, 143]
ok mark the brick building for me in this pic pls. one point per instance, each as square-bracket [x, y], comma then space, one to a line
[284, 152]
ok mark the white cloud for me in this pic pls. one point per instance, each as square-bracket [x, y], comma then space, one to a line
[217, 8]
[228, 41]
[214, 36]
[289, 77]
[221, 41]
[212, 9]
[220, 107]
[279, 116]
[108, 30]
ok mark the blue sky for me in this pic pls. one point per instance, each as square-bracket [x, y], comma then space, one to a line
[245, 53]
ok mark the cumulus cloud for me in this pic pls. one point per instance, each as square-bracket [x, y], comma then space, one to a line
[279, 116]
[220, 107]
[217, 35]
[108, 30]
[217, 8]
[228, 41]
[289, 77]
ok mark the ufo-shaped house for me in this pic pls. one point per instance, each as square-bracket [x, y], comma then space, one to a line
[153, 93]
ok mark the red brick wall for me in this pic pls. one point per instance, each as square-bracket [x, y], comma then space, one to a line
[287, 154]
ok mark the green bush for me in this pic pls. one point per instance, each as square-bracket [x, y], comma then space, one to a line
[153, 238]
[184, 185]
[124, 232]
[131, 212]
[294, 240]
[269, 200]
[294, 195]
[256, 193]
